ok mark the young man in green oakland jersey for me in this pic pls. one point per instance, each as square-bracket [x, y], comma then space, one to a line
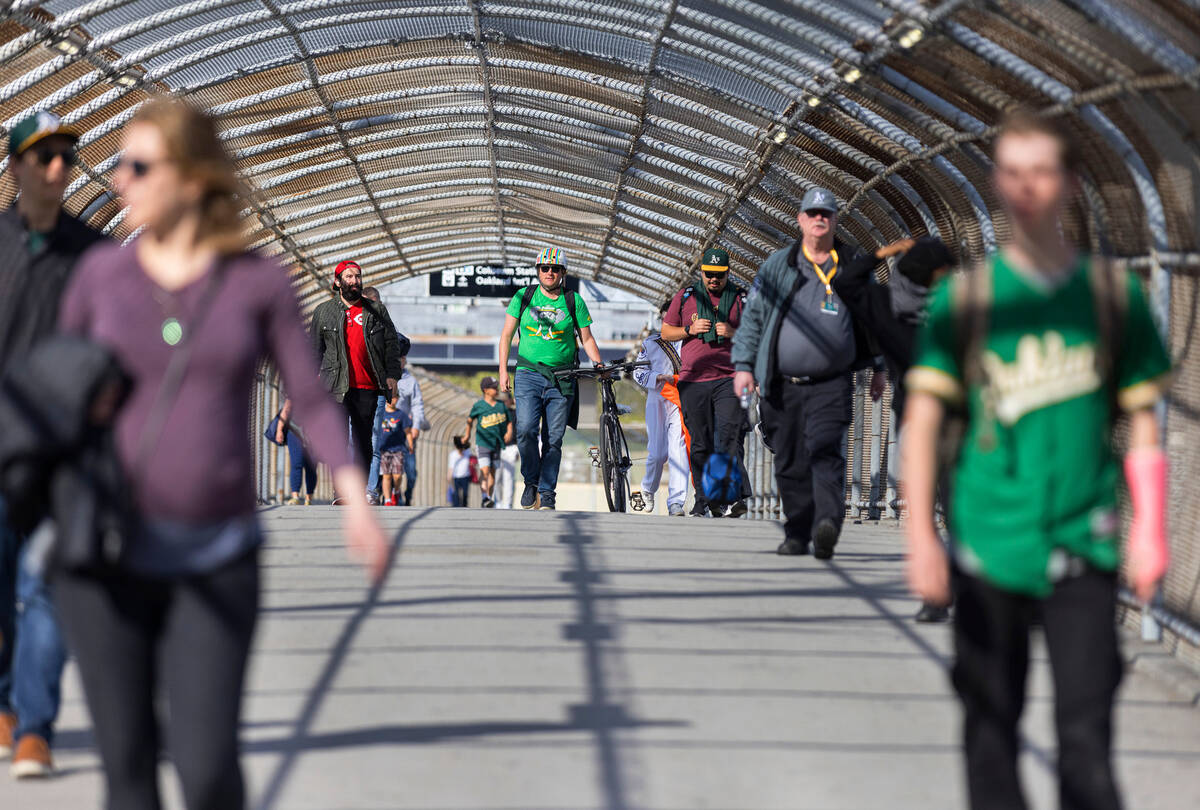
[1033, 508]
[495, 431]
[548, 315]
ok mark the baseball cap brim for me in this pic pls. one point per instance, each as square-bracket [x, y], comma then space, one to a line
[37, 137]
[715, 268]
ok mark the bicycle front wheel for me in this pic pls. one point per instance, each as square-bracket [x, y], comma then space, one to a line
[614, 462]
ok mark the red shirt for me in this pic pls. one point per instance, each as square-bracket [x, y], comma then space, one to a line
[702, 361]
[361, 375]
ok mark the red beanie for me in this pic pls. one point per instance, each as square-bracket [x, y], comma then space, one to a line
[343, 265]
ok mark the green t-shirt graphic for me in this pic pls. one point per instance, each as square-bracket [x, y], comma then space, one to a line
[1037, 476]
[547, 334]
[491, 424]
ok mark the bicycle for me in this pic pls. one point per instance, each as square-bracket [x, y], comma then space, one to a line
[612, 455]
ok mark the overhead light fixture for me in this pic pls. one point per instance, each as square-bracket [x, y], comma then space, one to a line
[68, 43]
[780, 135]
[910, 35]
[130, 78]
[813, 101]
[851, 74]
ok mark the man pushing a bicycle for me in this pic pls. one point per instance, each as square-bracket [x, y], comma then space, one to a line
[549, 317]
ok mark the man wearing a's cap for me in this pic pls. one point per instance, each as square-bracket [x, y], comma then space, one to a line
[40, 245]
[359, 349]
[495, 430]
[705, 317]
[799, 342]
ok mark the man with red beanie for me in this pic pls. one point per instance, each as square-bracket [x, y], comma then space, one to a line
[359, 351]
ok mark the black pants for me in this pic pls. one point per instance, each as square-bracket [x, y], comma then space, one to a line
[991, 635]
[805, 426]
[191, 636]
[360, 404]
[715, 420]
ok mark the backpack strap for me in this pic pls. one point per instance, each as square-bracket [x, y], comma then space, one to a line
[972, 304]
[571, 296]
[1110, 299]
[526, 299]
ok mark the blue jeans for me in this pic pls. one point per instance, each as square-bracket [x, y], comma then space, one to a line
[373, 474]
[541, 409]
[410, 474]
[32, 653]
[304, 469]
[462, 489]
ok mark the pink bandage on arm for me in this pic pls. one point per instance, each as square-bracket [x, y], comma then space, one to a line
[1146, 473]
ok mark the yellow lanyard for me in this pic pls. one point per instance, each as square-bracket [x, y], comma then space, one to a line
[821, 273]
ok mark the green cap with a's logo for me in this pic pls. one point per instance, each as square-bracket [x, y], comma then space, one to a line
[716, 260]
[35, 128]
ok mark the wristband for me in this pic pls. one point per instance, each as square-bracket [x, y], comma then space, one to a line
[1146, 474]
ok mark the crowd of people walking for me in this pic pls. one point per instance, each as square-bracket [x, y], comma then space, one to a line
[1030, 354]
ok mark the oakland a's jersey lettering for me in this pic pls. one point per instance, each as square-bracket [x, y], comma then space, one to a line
[1045, 372]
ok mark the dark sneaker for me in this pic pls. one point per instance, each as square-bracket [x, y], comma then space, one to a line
[717, 511]
[932, 614]
[792, 547]
[825, 537]
[488, 503]
[699, 510]
[738, 509]
[547, 499]
[529, 497]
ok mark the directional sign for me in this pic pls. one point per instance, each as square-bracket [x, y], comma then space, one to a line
[485, 281]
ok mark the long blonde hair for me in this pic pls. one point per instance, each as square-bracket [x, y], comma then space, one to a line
[195, 148]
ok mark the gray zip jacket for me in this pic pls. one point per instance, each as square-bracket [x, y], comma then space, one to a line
[769, 297]
[329, 342]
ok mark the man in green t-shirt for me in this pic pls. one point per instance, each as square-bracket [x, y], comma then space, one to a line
[495, 430]
[1032, 506]
[548, 316]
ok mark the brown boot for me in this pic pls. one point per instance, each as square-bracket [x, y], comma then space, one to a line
[8, 725]
[32, 758]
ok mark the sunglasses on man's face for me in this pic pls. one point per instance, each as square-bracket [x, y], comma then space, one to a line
[817, 213]
[46, 155]
[713, 276]
[551, 268]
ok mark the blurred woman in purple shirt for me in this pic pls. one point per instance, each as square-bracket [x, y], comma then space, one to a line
[179, 611]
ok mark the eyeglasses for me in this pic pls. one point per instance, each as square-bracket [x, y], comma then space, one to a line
[715, 276]
[551, 268]
[47, 154]
[818, 213]
[139, 168]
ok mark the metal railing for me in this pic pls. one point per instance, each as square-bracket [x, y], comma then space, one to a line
[446, 407]
[871, 492]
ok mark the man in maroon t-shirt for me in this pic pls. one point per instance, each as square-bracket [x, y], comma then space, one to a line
[705, 317]
[359, 352]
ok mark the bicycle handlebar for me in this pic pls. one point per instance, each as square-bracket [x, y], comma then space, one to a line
[600, 371]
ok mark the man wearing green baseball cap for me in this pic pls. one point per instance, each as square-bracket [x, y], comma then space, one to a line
[705, 317]
[39, 247]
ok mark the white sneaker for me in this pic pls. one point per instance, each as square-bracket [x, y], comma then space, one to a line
[675, 509]
[648, 499]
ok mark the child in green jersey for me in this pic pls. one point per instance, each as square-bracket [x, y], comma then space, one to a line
[494, 432]
[1033, 510]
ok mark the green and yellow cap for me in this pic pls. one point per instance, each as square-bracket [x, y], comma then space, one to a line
[35, 128]
[716, 260]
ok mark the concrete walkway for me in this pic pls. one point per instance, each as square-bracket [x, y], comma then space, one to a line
[528, 661]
